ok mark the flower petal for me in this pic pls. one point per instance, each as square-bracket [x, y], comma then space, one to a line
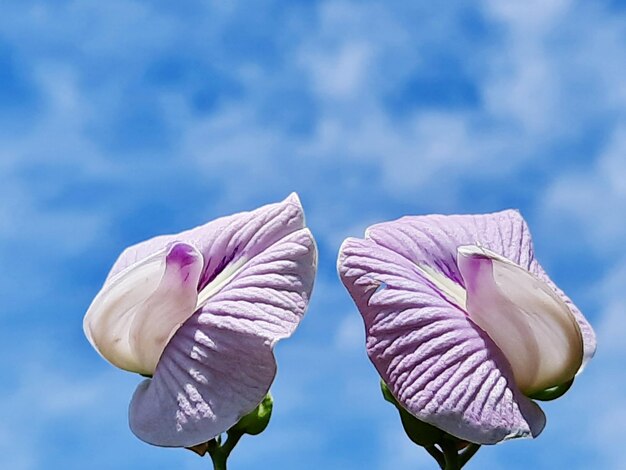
[228, 240]
[431, 242]
[589, 336]
[171, 305]
[202, 386]
[156, 294]
[531, 325]
[438, 364]
[220, 365]
[271, 294]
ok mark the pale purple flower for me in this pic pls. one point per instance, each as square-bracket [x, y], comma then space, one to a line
[462, 322]
[200, 313]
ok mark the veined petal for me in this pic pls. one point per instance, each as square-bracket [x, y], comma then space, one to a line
[270, 295]
[156, 294]
[531, 325]
[226, 241]
[431, 242]
[412, 294]
[202, 386]
[438, 364]
[226, 292]
[219, 365]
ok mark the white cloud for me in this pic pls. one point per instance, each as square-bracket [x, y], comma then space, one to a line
[57, 146]
[531, 17]
[594, 197]
[342, 74]
[398, 450]
[43, 395]
[350, 334]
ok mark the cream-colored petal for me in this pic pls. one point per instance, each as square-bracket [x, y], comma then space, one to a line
[532, 326]
[136, 312]
[171, 304]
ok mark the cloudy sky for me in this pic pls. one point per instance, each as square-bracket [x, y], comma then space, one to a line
[122, 119]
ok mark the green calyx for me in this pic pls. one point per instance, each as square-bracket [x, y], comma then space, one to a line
[552, 393]
[421, 433]
[450, 452]
[257, 420]
[221, 446]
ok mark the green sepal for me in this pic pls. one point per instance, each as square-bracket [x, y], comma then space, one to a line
[421, 433]
[552, 393]
[257, 420]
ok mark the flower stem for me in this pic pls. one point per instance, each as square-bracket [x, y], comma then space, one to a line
[468, 453]
[437, 455]
[219, 454]
[451, 458]
[450, 454]
[219, 461]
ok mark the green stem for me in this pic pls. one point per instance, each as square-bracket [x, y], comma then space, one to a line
[450, 454]
[219, 460]
[437, 455]
[468, 453]
[219, 454]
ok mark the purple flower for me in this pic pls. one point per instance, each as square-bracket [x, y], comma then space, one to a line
[462, 322]
[199, 312]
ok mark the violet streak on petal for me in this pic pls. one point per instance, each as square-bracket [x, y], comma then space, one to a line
[201, 311]
[439, 364]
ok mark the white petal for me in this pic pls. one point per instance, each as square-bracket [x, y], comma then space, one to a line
[532, 326]
[138, 310]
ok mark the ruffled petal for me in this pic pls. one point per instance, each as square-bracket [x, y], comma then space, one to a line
[219, 365]
[526, 319]
[227, 241]
[203, 385]
[438, 364]
[431, 242]
[139, 309]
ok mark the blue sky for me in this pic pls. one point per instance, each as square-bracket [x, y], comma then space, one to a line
[120, 120]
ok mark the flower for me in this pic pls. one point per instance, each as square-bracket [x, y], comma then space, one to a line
[199, 313]
[462, 322]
